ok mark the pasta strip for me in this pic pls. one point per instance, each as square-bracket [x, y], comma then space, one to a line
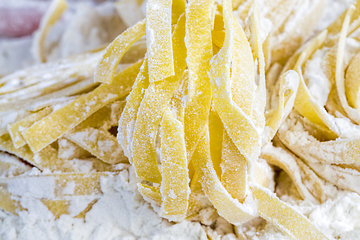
[159, 40]
[234, 175]
[58, 207]
[156, 98]
[105, 117]
[287, 162]
[279, 11]
[178, 8]
[199, 52]
[218, 38]
[80, 65]
[11, 165]
[175, 179]
[283, 216]
[298, 27]
[312, 181]
[129, 11]
[55, 11]
[88, 208]
[335, 28]
[99, 119]
[68, 150]
[150, 194]
[345, 178]
[197, 198]
[303, 102]
[331, 152]
[129, 115]
[352, 85]
[289, 83]
[39, 82]
[44, 159]
[49, 99]
[11, 117]
[237, 3]
[339, 74]
[16, 128]
[56, 185]
[216, 134]
[258, 108]
[177, 103]
[227, 207]
[234, 168]
[336, 151]
[7, 203]
[237, 124]
[243, 10]
[105, 70]
[99, 143]
[242, 70]
[53, 126]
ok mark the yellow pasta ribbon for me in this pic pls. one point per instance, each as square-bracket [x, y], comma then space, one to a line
[16, 128]
[330, 152]
[287, 162]
[59, 207]
[7, 203]
[53, 126]
[175, 180]
[352, 85]
[283, 216]
[57, 185]
[238, 125]
[129, 115]
[150, 193]
[304, 101]
[335, 28]
[227, 207]
[199, 52]
[177, 9]
[260, 92]
[345, 178]
[55, 11]
[234, 168]
[44, 159]
[69, 150]
[156, 98]
[159, 40]
[339, 74]
[289, 83]
[105, 70]
[216, 133]
[99, 143]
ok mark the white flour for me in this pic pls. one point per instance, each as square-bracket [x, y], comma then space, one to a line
[121, 213]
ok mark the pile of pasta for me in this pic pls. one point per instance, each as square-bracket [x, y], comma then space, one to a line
[192, 115]
[321, 136]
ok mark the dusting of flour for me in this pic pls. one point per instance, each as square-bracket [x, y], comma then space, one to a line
[120, 213]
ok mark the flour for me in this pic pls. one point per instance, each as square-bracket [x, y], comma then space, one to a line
[120, 213]
[318, 84]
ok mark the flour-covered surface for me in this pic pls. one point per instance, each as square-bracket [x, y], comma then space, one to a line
[120, 213]
[78, 184]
